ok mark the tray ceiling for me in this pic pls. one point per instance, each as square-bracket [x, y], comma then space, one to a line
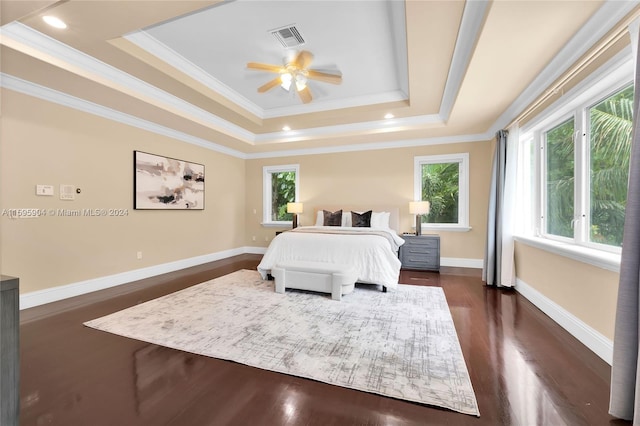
[443, 69]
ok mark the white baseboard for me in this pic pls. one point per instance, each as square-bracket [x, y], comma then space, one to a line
[591, 338]
[460, 262]
[40, 297]
[255, 250]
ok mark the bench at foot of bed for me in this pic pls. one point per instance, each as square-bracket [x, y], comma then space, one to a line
[337, 279]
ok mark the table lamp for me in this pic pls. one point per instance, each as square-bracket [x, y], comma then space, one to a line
[419, 208]
[294, 208]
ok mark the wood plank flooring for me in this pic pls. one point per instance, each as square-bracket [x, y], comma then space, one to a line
[524, 368]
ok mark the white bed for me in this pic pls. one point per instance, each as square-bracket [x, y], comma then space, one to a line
[373, 252]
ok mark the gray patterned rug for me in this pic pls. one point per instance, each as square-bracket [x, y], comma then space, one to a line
[401, 344]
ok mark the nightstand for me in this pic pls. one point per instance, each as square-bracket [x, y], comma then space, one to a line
[420, 252]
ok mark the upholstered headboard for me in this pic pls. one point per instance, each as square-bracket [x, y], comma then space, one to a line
[394, 217]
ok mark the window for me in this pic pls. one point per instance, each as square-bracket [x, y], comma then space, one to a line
[280, 187]
[575, 163]
[443, 180]
[560, 179]
[610, 123]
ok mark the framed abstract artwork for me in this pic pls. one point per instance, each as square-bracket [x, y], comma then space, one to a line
[164, 183]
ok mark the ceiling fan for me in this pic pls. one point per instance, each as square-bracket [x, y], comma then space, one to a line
[295, 73]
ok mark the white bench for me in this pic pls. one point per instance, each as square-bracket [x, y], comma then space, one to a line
[337, 279]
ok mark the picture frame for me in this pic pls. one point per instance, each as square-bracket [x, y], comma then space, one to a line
[166, 183]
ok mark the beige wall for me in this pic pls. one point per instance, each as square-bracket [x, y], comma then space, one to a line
[43, 143]
[588, 292]
[378, 177]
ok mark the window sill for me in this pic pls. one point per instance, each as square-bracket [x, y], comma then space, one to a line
[598, 258]
[277, 224]
[444, 228]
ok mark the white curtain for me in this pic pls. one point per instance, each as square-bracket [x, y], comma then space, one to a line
[499, 265]
[624, 400]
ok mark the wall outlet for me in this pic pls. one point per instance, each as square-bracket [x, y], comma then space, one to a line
[139, 255]
[253, 238]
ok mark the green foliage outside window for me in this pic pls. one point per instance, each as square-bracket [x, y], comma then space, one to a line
[611, 122]
[283, 191]
[560, 179]
[440, 186]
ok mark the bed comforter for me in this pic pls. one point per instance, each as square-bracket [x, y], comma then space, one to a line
[373, 252]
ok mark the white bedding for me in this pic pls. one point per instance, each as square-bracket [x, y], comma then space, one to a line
[375, 257]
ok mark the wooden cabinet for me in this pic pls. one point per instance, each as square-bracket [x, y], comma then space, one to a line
[9, 351]
[421, 252]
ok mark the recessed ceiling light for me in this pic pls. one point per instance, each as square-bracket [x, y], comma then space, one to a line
[388, 115]
[286, 128]
[54, 22]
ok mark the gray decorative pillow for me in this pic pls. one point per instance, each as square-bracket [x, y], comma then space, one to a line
[361, 220]
[332, 219]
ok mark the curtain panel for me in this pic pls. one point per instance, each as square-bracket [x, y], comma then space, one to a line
[625, 381]
[499, 267]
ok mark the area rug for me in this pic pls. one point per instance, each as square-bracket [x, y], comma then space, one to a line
[400, 344]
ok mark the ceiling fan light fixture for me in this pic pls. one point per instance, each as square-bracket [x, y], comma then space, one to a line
[286, 78]
[301, 82]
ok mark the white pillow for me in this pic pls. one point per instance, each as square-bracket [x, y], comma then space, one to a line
[346, 219]
[380, 219]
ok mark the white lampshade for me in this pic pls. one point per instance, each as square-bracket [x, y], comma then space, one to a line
[294, 207]
[419, 207]
[286, 80]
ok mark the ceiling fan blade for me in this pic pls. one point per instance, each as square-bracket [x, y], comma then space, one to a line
[324, 76]
[265, 67]
[269, 85]
[305, 95]
[303, 60]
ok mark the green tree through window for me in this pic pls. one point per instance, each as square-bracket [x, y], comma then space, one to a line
[560, 179]
[440, 187]
[610, 149]
[608, 152]
[283, 191]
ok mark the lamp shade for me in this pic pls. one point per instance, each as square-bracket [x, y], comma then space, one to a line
[419, 207]
[294, 207]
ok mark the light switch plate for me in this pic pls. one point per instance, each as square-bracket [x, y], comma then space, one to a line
[44, 190]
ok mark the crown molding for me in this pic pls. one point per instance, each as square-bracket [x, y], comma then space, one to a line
[603, 21]
[16, 84]
[34, 43]
[366, 127]
[164, 53]
[327, 105]
[406, 143]
[41, 92]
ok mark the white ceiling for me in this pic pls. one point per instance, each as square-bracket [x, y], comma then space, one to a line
[363, 40]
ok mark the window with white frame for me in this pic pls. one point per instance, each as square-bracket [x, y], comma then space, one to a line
[280, 186]
[574, 165]
[443, 180]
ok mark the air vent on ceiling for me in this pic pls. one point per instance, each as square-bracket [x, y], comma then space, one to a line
[288, 36]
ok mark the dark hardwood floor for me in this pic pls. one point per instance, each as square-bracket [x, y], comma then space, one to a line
[525, 369]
